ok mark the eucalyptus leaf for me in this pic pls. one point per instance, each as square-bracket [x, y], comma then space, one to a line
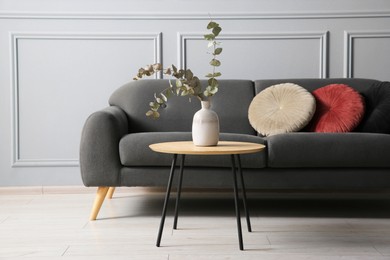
[209, 37]
[217, 51]
[174, 68]
[213, 82]
[215, 63]
[189, 75]
[179, 83]
[168, 71]
[216, 31]
[163, 97]
[149, 113]
[156, 114]
[213, 91]
[212, 25]
[168, 93]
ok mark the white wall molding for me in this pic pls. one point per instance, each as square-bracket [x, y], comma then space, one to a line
[349, 37]
[321, 36]
[17, 161]
[195, 16]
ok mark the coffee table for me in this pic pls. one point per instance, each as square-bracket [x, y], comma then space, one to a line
[234, 149]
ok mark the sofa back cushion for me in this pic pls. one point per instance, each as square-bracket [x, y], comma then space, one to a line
[231, 103]
[377, 116]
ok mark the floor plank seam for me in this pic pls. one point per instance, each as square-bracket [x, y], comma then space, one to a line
[63, 254]
[379, 252]
[269, 241]
[4, 220]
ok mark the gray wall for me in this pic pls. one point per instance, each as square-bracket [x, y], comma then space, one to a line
[60, 60]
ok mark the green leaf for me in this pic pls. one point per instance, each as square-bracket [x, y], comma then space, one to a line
[213, 75]
[209, 37]
[213, 91]
[210, 91]
[156, 114]
[189, 75]
[159, 100]
[168, 71]
[179, 84]
[213, 82]
[217, 30]
[149, 113]
[157, 66]
[168, 93]
[163, 97]
[217, 51]
[215, 63]
[174, 68]
[212, 25]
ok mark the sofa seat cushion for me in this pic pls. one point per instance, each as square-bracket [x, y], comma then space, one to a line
[300, 150]
[134, 150]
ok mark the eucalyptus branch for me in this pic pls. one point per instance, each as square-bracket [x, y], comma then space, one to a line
[212, 87]
[186, 83]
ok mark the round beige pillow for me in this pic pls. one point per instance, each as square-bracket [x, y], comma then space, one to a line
[281, 108]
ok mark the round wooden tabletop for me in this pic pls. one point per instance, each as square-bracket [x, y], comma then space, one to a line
[223, 147]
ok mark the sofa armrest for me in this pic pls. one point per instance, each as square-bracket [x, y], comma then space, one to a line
[99, 148]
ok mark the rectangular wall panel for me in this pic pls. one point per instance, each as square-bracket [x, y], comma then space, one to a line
[367, 54]
[256, 56]
[59, 80]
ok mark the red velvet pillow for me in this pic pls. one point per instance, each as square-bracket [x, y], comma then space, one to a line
[340, 108]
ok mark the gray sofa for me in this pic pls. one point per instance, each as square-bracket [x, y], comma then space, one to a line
[114, 144]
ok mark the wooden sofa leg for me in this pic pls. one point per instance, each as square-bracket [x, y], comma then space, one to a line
[101, 194]
[110, 192]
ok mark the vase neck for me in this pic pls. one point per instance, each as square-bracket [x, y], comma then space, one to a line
[206, 104]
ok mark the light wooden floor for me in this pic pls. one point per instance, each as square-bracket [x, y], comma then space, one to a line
[45, 225]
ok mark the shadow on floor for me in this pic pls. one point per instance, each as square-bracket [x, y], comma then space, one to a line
[209, 204]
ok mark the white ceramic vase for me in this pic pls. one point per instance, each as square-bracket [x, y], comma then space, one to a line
[205, 126]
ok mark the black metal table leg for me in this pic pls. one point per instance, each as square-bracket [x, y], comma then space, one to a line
[171, 174]
[236, 203]
[179, 191]
[248, 221]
